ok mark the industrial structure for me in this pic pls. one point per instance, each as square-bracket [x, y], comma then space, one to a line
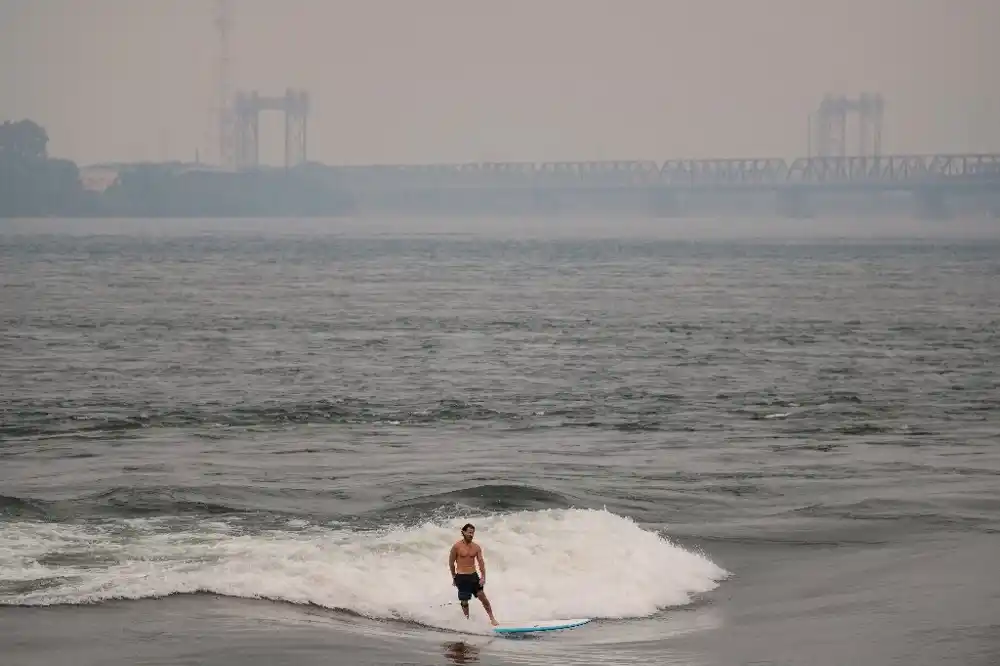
[829, 126]
[839, 163]
[238, 115]
[224, 115]
[247, 107]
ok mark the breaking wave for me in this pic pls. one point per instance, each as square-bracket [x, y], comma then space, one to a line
[540, 564]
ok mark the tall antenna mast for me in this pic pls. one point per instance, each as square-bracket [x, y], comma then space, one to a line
[223, 25]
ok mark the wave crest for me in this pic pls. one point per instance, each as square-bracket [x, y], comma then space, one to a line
[540, 564]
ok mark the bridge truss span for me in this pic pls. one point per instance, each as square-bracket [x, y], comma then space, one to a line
[894, 169]
[865, 172]
[723, 172]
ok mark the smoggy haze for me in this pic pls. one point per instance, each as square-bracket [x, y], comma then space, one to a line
[430, 80]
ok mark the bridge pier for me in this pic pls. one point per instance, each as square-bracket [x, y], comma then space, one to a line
[794, 203]
[661, 202]
[545, 201]
[993, 205]
[930, 204]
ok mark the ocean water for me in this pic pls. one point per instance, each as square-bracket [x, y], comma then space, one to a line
[254, 442]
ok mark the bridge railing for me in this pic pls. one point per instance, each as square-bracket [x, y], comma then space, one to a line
[724, 173]
[892, 168]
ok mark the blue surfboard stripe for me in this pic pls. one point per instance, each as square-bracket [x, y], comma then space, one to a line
[530, 629]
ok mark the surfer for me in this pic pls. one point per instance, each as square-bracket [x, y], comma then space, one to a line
[465, 555]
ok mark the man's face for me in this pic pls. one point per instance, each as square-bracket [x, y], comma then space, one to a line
[469, 533]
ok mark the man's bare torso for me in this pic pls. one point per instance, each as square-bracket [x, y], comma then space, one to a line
[465, 557]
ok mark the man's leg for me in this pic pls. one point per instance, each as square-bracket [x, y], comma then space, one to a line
[464, 594]
[486, 604]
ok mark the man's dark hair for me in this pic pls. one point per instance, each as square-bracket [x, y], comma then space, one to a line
[467, 526]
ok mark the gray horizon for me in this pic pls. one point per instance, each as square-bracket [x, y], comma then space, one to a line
[445, 81]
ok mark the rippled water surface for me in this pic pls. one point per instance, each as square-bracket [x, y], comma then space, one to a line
[254, 443]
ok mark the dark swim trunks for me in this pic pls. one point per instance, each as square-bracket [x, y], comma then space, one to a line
[468, 585]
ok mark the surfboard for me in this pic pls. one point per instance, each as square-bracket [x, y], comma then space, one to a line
[544, 625]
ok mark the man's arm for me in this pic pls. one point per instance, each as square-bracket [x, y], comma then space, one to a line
[452, 557]
[482, 564]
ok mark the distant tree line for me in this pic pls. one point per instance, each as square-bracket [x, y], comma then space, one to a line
[32, 184]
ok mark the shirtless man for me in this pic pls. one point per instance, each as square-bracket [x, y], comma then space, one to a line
[465, 554]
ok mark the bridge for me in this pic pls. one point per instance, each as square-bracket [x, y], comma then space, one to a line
[669, 187]
[865, 173]
[932, 186]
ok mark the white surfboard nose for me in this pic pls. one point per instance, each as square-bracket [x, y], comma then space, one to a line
[542, 625]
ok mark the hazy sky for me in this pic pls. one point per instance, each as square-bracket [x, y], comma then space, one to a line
[467, 80]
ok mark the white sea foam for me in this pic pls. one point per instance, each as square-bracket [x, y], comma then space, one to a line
[540, 564]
